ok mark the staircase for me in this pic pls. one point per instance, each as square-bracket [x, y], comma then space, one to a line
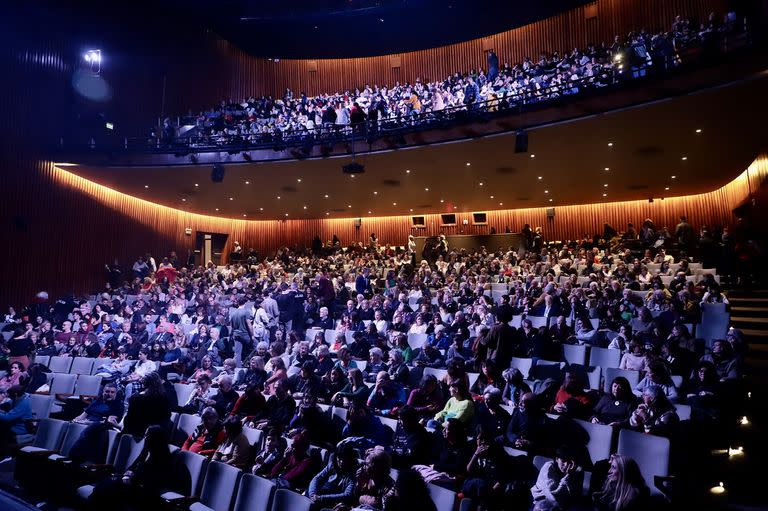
[749, 313]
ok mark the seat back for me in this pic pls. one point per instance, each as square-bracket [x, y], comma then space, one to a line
[43, 360]
[442, 497]
[611, 372]
[472, 378]
[523, 364]
[41, 405]
[604, 357]
[649, 451]
[600, 440]
[287, 500]
[190, 469]
[219, 486]
[714, 322]
[254, 436]
[183, 391]
[60, 364]
[437, 373]
[185, 427]
[87, 385]
[82, 365]
[416, 340]
[540, 461]
[112, 436]
[575, 353]
[128, 450]
[74, 430]
[63, 383]
[254, 494]
[546, 369]
[683, 411]
[50, 433]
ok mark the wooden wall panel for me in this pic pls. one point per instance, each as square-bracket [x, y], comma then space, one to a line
[249, 75]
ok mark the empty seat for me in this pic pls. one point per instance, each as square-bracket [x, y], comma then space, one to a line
[41, 405]
[649, 451]
[286, 500]
[60, 364]
[442, 497]
[82, 365]
[612, 372]
[219, 487]
[437, 373]
[416, 340]
[472, 378]
[604, 357]
[254, 494]
[575, 353]
[50, 433]
[189, 469]
[63, 384]
[87, 385]
[253, 436]
[600, 440]
[43, 360]
[537, 321]
[127, 451]
[714, 322]
[183, 391]
[545, 369]
[683, 411]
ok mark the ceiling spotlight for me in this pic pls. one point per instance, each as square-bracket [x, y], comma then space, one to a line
[305, 207]
[610, 144]
[369, 212]
[327, 213]
[298, 180]
[146, 186]
[455, 207]
[217, 209]
[480, 183]
[501, 203]
[286, 214]
[684, 158]
[183, 200]
[426, 189]
[352, 176]
[674, 177]
[441, 200]
[278, 197]
[698, 130]
[607, 169]
[411, 210]
[261, 209]
[605, 195]
[666, 188]
[533, 156]
[550, 200]
[541, 177]
[231, 198]
[244, 215]
[468, 164]
[196, 185]
[492, 196]
[375, 193]
[394, 203]
[546, 191]
[407, 171]
[349, 205]
[605, 185]
[326, 195]
[247, 182]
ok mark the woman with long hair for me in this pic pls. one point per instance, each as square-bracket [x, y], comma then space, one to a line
[615, 407]
[624, 487]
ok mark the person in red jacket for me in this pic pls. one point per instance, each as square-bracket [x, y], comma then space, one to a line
[207, 436]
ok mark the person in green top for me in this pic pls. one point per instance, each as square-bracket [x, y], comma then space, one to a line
[355, 391]
[459, 406]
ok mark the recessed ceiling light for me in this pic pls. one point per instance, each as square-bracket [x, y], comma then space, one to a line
[441, 200]
[605, 185]
[217, 209]
[352, 176]
[533, 156]
[286, 214]
[605, 195]
[455, 207]
[666, 188]
[698, 130]
[492, 196]
[607, 169]
[349, 205]
[550, 200]
[327, 213]
[426, 189]
[183, 200]
[278, 197]
[247, 182]
[546, 191]
[244, 214]
[298, 180]
[501, 203]
[411, 210]
[326, 195]
[305, 207]
[146, 186]
[610, 144]
[394, 203]
[231, 198]
[407, 171]
[375, 193]
[468, 164]
[197, 184]
[261, 209]
[684, 158]
[541, 177]
[480, 183]
[369, 212]
[674, 177]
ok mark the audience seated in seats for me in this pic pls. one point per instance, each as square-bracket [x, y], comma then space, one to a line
[297, 467]
[149, 407]
[410, 492]
[250, 405]
[704, 392]
[459, 406]
[615, 408]
[16, 376]
[490, 415]
[374, 485]
[255, 373]
[655, 415]
[529, 427]
[310, 419]
[387, 396]
[13, 420]
[560, 482]
[356, 391]
[427, 398]
[514, 386]
[571, 400]
[363, 429]
[727, 365]
[624, 487]
[634, 359]
[207, 436]
[272, 453]
[235, 450]
[335, 484]
[279, 409]
[412, 444]
[657, 376]
[488, 473]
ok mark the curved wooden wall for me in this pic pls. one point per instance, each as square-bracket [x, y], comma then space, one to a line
[597, 22]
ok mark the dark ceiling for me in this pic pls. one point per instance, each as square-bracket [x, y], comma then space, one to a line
[566, 164]
[297, 29]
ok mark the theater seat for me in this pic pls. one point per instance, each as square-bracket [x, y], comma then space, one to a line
[50, 433]
[219, 486]
[442, 497]
[254, 494]
[649, 451]
[286, 500]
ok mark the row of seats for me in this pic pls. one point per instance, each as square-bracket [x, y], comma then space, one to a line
[214, 486]
[73, 365]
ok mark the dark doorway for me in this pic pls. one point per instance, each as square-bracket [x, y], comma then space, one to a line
[209, 246]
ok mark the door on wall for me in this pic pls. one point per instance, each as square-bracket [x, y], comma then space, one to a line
[209, 246]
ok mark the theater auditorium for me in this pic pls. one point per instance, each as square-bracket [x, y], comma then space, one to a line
[383, 255]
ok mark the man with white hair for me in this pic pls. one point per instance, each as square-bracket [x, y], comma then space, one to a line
[325, 322]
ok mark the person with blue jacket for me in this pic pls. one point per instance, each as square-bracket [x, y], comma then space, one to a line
[14, 421]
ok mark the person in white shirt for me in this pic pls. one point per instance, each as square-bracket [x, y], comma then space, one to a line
[381, 324]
